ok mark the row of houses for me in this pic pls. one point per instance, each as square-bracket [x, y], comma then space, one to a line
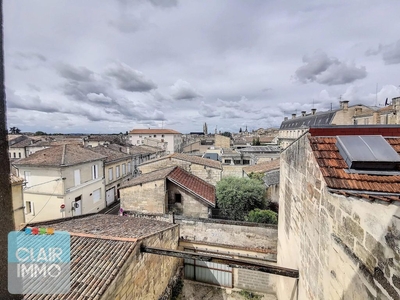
[69, 180]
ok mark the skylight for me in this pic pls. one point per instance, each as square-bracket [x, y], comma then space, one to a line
[368, 152]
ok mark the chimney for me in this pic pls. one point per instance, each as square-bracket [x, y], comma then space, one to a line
[313, 111]
[293, 116]
[285, 119]
[376, 117]
[303, 113]
[344, 105]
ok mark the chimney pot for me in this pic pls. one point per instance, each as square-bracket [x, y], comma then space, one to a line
[303, 113]
[344, 105]
[313, 111]
[293, 116]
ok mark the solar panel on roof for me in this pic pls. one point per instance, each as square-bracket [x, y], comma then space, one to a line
[368, 152]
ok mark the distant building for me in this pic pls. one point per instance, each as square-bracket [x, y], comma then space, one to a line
[292, 129]
[172, 137]
[68, 175]
[205, 129]
[389, 114]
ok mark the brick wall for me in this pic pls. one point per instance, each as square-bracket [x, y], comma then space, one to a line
[344, 248]
[144, 275]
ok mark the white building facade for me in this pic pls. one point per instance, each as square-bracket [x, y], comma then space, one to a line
[171, 137]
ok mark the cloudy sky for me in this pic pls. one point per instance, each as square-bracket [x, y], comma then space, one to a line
[113, 65]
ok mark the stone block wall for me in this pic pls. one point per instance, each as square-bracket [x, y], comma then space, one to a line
[233, 170]
[222, 141]
[143, 275]
[344, 248]
[146, 198]
[240, 234]
[190, 206]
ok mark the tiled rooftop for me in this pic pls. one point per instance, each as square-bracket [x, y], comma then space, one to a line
[193, 184]
[65, 155]
[103, 226]
[25, 142]
[148, 177]
[332, 166]
[111, 154]
[154, 131]
[15, 179]
[263, 167]
[100, 245]
[92, 267]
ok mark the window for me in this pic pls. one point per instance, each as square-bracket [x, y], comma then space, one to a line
[110, 174]
[140, 136]
[96, 195]
[77, 177]
[227, 161]
[129, 167]
[246, 162]
[178, 198]
[162, 135]
[155, 135]
[29, 207]
[19, 154]
[117, 171]
[123, 169]
[138, 142]
[95, 171]
[14, 154]
[27, 176]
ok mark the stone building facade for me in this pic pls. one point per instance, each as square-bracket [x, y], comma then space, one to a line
[340, 230]
[207, 169]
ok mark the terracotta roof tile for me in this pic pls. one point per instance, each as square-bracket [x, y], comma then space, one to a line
[96, 260]
[263, 167]
[15, 179]
[111, 155]
[193, 184]
[65, 155]
[333, 166]
[148, 177]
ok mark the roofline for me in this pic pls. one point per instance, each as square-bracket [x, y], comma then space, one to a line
[190, 191]
[363, 192]
[172, 155]
[56, 166]
[130, 185]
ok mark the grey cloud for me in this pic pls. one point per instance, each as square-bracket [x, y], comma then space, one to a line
[75, 73]
[183, 90]
[99, 98]
[207, 111]
[328, 70]
[164, 3]
[34, 87]
[129, 79]
[32, 55]
[128, 23]
[390, 53]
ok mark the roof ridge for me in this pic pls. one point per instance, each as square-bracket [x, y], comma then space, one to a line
[63, 154]
[103, 237]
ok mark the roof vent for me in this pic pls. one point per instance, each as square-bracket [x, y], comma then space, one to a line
[368, 153]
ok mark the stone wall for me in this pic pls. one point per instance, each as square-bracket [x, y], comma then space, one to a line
[254, 281]
[147, 198]
[144, 275]
[211, 175]
[190, 206]
[222, 141]
[344, 248]
[241, 234]
[233, 170]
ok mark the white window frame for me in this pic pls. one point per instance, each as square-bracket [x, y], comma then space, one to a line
[117, 175]
[29, 208]
[77, 177]
[96, 195]
[95, 172]
[129, 167]
[110, 173]
[123, 169]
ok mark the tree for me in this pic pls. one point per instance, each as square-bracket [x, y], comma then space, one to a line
[40, 133]
[262, 216]
[14, 130]
[256, 142]
[227, 133]
[257, 176]
[237, 196]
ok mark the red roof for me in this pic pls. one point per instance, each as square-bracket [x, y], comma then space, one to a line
[153, 131]
[193, 184]
[332, 166]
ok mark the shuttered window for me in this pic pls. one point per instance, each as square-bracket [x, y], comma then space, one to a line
[96, 195]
